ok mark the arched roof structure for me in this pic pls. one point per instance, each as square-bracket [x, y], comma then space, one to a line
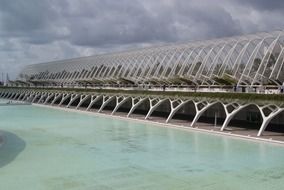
[249, 60]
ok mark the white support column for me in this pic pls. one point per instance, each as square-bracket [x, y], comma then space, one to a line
[83, 98]
[2, 94]
[57, 96]
[15, 97]
[119, 102]
[154, 104]
[106, 100]
[18, 95]
[135, 102]
[267, 118]
[64, 97]
[94, 99]
[199, 111]
[25, 97]
[7, 95]
[42, 98]
[175, 106]
[10, 95]
[51, 95]
[236, 108]
[31, 97]
[73, 98]
[36, 96]
[21, 96]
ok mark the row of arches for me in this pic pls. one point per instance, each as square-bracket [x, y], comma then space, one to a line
[191, 110]
[242, 60]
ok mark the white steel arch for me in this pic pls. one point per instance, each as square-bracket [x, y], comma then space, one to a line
[249, 60]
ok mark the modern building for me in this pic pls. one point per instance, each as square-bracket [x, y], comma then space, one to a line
[253, 60]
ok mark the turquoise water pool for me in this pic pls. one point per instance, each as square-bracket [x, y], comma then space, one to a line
[48, 149]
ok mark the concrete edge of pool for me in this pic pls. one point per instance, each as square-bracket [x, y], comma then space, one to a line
[180, 127]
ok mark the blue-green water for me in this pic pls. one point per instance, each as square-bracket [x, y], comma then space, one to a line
[48, 149]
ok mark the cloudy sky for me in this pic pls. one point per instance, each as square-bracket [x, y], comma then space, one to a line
[34, 31]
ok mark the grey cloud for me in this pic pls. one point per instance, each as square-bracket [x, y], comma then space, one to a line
[31, 20]
[101, 23]
[205, 21]
[34, 31]
[129, 21]
[268, 5]
[119, 22]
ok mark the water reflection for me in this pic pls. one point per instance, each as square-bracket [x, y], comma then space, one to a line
[12, 146]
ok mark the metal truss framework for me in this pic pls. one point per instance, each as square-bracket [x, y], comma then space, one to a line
[249, 60]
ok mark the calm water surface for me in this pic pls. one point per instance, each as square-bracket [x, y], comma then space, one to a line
[47, 149]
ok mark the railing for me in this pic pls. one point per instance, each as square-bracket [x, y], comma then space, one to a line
[169, 88]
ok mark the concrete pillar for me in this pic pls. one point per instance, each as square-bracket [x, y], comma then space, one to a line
[64, 97]
[57, 96]
[83, 98]
[31, 97]
[175, 106]
[135, 102]
[73, 98]
[199, 111]
[11, 95]
[106, 100]
[25, 97]
[267, 118]
[44, 95]
[94, 99]
[7, 95]
[16, 96]
[21, 97]
[154, 104]
[51, 95]
[36, 96]
[120, 100]
[230, 114]
[4, 94]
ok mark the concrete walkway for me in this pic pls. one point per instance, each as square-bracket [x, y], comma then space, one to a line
[232, 130]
